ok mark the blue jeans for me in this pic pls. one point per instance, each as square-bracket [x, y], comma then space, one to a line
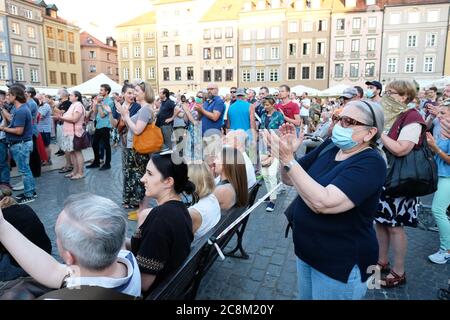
[21, 154]
[314, 285]
[8, 271]
[4, 165]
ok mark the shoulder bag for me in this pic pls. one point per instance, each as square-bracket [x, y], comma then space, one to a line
[149, 141]
[80, 143]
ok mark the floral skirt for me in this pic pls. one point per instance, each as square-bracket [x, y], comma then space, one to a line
[67, 143]
[397, 212]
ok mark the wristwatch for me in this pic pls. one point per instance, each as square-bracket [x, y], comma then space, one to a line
[289, 165]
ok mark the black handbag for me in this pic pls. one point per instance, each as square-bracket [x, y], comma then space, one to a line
[80, 143]
[413, 175]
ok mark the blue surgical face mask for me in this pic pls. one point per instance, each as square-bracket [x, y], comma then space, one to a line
[370, 93]
[343, 138]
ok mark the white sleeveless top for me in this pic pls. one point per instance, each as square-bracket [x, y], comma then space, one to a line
[209, 209]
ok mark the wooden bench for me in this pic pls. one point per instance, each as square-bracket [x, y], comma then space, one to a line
[184, 283]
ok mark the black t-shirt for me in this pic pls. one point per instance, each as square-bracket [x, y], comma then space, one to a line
[25, 220]
[163, 241]
[65, 105]
[165, 112]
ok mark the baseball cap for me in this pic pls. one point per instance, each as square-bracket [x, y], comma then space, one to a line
[376, 84]
[349, 93]
[240, 92]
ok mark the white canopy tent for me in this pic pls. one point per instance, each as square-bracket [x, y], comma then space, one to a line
[299, 90]
[93, 86]
[441, 83]
[335, 90]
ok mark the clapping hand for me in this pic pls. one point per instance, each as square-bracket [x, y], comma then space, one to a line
[286, 144]
[431, 141]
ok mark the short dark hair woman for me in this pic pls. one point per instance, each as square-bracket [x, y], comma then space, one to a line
[332, 217]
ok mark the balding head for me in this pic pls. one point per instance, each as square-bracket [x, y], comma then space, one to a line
[213, 90]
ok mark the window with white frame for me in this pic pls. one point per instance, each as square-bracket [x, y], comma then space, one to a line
[292, 49]
[166, 74]
[92, 69]
[395, 18]
[165, 34]
[165, 51]
[138, 73]
[246, 54]
[14, 10]
[261, 34]
[372, 23]
[433, 15]
[293, 26]
[356, 24]
[321, 47]
[207, 34]
[246, 75]
[306, 48]
[246, 34]
[410, 65]
[274, 75]
[151, 73]
[189, 50]
[371, 44]
[137, 52]
[217, 33]
[340, 24]
[392, 65]
[31, 32]
[339, 45]
[306, 72]
[320, 72]
[229, 74]
[292, 73]
[17, 49]
[371, 2]
[218, 53]
[393, 42]
[260, 75]
[412, 41]
[218, 75]
[125, 52]
[322, 25]
[355, 45]
[229, 52]
[275, 53]
[3, 72]
[339, 70]
[307, 26]
[413, 17]
[137, 35]
[229, 32]
[206, 75]
[15, 28]
[428, 64]
[260, 54]
[354, 70]
[33, 52]
[177, 50]
[190, 73]
[206, 53]
[431, 39]
[370, 69]
[150, 52]
[29, 14]
[20, 74]
[126, 74]
[34, 75]
[275, 32]
[177, 74]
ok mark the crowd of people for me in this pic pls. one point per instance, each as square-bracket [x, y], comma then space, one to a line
[212, 151]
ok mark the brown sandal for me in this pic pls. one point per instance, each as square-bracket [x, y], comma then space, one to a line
[395, 281]
[384, 268]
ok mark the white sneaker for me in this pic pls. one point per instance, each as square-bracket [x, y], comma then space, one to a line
[18, 187]
[440, 257]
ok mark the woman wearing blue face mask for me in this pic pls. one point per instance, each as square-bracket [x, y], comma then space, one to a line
[338, 186]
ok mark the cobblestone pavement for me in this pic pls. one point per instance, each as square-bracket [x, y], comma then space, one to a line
[270, 273]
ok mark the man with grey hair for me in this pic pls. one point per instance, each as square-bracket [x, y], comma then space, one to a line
[90, 235]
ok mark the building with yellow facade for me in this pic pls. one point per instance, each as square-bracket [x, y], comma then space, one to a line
[137, 49]
[61, 49]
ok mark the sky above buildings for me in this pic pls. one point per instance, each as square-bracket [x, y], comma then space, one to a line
[99, 17]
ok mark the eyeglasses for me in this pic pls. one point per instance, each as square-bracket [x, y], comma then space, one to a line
[347, 122]
[232, 92]
[390, 92]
